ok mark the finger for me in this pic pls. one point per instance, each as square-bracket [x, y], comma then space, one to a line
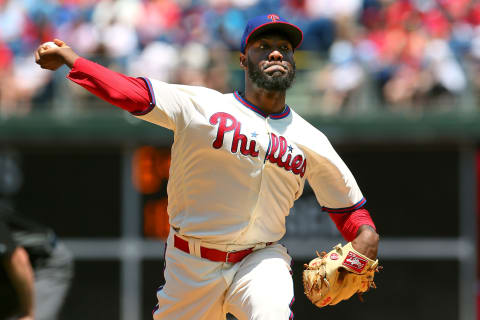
[59, 42]
[51, 65]
[41, 50]
[48, 67]
[37, 57]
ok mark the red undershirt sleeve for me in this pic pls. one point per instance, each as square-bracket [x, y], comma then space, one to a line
[348, 223]
[128, 93]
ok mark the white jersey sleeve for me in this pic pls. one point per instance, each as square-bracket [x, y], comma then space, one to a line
[172, 105]
[332, 182]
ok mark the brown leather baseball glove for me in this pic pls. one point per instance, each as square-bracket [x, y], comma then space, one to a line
[337, 275]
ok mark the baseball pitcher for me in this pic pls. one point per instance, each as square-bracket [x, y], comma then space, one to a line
[239, 161]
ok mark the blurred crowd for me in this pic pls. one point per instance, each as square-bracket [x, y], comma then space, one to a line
[411, 54]
[403, 54]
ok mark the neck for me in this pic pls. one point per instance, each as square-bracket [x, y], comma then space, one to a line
[268, 101]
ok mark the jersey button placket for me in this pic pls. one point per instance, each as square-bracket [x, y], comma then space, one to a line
[266, 165]
[260, 189]
[269, 146]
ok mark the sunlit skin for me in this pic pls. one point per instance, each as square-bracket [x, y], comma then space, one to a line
[273, 54]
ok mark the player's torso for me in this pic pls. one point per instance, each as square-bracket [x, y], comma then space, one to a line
[235, 172]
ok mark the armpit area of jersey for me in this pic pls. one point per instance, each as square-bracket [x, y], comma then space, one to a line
[128, 93]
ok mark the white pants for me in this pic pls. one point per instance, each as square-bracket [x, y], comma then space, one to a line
[258, 287]
[52, 281]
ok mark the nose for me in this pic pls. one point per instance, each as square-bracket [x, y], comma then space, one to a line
[275, 55]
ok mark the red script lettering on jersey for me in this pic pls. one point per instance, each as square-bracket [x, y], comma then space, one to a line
[227, 123]
[297, 165]
[223, 119]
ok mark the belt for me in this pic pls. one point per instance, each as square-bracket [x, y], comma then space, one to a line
[214, 254]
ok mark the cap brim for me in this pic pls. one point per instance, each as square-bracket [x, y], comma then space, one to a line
[294, 34]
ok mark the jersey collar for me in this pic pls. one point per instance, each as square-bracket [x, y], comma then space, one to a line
[250, 106]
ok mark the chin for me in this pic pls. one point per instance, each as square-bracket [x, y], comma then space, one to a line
[276, 86]
[271, 82]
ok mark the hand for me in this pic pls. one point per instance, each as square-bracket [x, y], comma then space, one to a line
[52, 58]
[366, 242]
[27, 318]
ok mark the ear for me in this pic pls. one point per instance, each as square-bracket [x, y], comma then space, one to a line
[243, 61]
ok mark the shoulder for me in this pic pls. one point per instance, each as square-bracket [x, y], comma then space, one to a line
[199, 91]
[314, 143]
[194, 91]
[304, 130]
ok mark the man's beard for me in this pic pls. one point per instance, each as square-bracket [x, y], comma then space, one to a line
[270, 83]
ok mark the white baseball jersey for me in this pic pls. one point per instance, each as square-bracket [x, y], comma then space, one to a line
[235, 171]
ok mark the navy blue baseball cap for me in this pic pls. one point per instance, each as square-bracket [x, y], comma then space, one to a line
[268, 22]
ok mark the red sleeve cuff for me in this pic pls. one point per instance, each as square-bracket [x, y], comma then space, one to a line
[349, 223]
[77, 64]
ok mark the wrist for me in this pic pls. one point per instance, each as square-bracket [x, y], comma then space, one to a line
[366, 241]
[367, 234]
[69, 56]
[367, 229]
